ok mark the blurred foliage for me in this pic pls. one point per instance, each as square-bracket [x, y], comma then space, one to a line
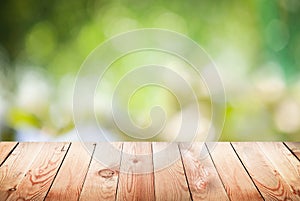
[256, 45]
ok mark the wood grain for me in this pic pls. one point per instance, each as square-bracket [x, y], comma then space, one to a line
[39, 177]
[284, 162]
[101, 180]
[136, 173]
[237, 183]
[15, 167]
[170, 171]
[5, 149]
[294, 147]
[266, 177]
[170, 180]
[203, 179]
[69, 180]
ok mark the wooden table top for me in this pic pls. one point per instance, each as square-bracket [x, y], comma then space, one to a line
[230, 171]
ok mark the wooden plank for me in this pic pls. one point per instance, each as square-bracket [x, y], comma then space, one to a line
[101, 180]
[266, 177]
[294, 147]
[5, 149]
[237, 182]
[136, 172]
[69, 181]
[203, 179]
[285, 162]
[15, 167]
[38, 179]
[170, 180]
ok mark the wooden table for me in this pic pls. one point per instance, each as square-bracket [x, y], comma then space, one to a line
[230, 171]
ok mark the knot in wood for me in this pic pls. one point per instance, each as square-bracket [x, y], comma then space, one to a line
[106, 173]
[12, 189]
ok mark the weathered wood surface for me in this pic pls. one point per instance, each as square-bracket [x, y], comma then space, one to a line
[294, 147]
[70, 178]
[39, 177]
[202, 176]
[170, 183]
[136, 175]
[101, 180]
[268, 180]
[150, 171]
[5, 149]
[236, 180]
[16, 166]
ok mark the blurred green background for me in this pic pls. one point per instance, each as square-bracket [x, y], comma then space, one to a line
[255, 44]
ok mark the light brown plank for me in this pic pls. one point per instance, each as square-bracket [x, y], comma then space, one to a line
[136, 172]
[294, 147]
[170, 181]
[237, 183]
[101, 180]
[14, 168]
[38, 179]
[68, 183]
[266, 177]
[5, 149]
[285, 162]
[203, 179]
